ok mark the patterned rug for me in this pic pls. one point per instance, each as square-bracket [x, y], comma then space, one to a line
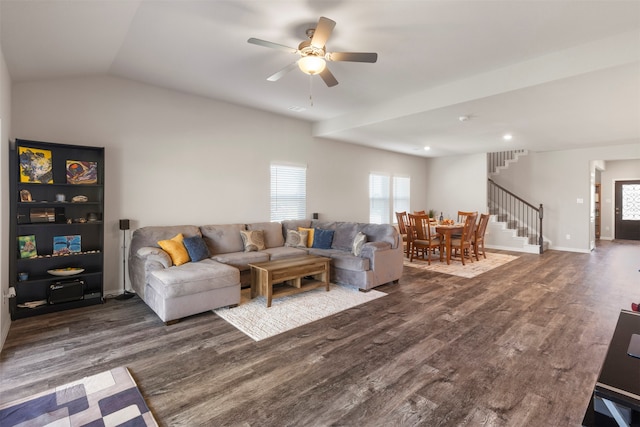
[468, 270]
[107, 399]
[259, 322]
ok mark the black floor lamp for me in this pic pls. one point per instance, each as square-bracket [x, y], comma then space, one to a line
[124, 226]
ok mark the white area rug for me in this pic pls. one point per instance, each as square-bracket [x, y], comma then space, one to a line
[259, 322]
[468, 270]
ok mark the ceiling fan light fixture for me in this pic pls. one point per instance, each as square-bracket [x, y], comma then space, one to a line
[311, 64]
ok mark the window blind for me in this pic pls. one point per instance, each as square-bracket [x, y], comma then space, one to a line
[401, 195]
[379, 199]
[288, 192]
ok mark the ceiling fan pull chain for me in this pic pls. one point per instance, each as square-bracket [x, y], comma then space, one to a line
[311, 90]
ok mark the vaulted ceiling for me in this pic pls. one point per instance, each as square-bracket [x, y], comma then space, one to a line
[554, 74]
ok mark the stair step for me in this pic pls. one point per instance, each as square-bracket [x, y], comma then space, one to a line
[529, 241]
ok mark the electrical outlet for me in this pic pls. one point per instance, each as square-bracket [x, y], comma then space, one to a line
[568, 236]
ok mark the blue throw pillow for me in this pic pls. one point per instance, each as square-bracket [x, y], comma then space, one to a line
[322, 238]
[196, 247]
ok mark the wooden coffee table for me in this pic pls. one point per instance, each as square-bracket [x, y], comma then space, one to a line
[290, 276]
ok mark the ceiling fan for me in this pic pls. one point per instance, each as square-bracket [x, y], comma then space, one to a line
[313, 55]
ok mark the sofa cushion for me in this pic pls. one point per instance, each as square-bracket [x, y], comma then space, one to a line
[293, 224]
[297, 239]
[175, 248]
[344, 235]
[196, 247]
[223, 239]
[284, 252]
[322, 238]
[346, 261]
[242, 260]
[324, 252]
[149, 236]
[273, 236]
[253, 240]
[193, 278]
[381, 233]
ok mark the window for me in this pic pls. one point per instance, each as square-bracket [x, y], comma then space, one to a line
[630, 202]
[382, 194]
[401, 195]
[379, 199]
[288, 192]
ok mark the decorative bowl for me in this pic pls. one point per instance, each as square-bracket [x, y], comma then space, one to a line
[70, 271]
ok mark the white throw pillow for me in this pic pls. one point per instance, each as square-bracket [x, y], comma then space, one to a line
[358, 242]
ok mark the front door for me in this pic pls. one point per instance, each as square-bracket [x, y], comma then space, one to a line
[627, 210]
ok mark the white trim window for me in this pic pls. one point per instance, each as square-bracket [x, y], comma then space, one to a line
[379, 206]
[401, 195]
[386, 196]
[288, 192]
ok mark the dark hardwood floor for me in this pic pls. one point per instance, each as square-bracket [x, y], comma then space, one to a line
[521, 345]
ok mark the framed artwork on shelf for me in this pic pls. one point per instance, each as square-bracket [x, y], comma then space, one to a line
[27, 246]
[65, 245]
[35, 165]
[81, 172]
[25, 196]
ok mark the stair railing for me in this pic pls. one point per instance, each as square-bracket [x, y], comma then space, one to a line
[524, 213]
[496, 160]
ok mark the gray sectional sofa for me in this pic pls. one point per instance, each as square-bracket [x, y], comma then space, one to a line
[176, 291]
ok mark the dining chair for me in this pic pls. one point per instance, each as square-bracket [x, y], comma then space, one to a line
[423, 242]
[403, 223]
[478, 240]
[462, 216]
[419, 212]
[465, 241]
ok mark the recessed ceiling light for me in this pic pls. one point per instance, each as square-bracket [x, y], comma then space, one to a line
[427, 148]
[464, 118]
[507, 137]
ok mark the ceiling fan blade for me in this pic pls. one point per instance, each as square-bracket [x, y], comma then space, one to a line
[285, 70]
[322, 32]
[353, 56]
[272, 45]
[328, 77]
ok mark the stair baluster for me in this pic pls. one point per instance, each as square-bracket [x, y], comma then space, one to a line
[517, 213]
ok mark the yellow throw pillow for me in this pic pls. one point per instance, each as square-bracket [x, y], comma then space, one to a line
[310, 238]
[176, 250]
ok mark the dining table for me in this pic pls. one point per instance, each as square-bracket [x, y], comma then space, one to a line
[447, 231]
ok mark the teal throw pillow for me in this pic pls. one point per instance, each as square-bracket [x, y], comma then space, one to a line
[197, 248]
[322, 238]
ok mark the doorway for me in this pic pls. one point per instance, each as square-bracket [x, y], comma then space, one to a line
[627, 210]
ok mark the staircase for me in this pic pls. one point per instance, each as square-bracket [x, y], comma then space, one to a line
[515, 224]
[500, 161]
[506, 234]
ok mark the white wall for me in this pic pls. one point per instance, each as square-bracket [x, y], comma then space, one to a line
[614, 171]
[557, 179]
[457, 184]
[173, 158]
[5, 121]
